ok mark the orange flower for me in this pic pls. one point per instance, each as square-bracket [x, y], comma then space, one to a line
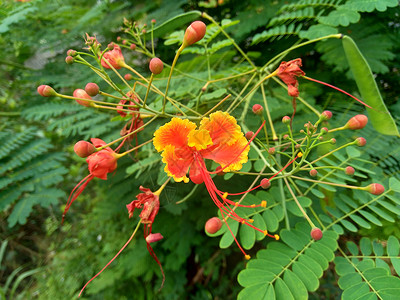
[218, 138]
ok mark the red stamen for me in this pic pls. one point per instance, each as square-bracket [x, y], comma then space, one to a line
[73, 195]
[338, 89]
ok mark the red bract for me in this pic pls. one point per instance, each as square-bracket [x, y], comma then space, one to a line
[114, 58]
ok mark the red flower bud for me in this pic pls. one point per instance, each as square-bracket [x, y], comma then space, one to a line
[46, 91]
[361, 141]
[271, 150]
[356, 122]
[265, 183]
[92, 89]
[286, 136]
[249, 135]
[71, 52]
[313, 172]
[101, 163]
[156, 66]
[316, 234]
[79, 93]
[114, 58]
[84, 149]
[286, 120]
[375, 188]
[154, 237]
[69, 60]
[326, 115]
[124, 42]
[194, 33]
[110, 46]
[128, 77]
[153, 21]
[333, 141]
[118, 38]
[349, 170]
[257, 109]
[132, 46]
[324, 130]
[213, 225]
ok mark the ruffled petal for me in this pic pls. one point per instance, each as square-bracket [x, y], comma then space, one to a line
[174, 133]
[200, 139]
[222, 127]
[176, 166]
[235, 154]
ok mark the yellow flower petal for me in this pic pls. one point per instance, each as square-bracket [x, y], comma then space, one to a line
[176, 166]
[200, 139]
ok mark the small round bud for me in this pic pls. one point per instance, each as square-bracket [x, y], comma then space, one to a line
[154, 237]
[361, 141]
[333, 141]
[204, 88]
[46, 91]
[156, 66]
[357, 122]
[349, 170]
[249, 135]
[92, 89]
[128, 77]
[375, 188]
[144, 30]
[257, 109]
[316, 234]
[79, 93]
[324, 130]
[124, 42]
[84, 149]
[71, 52]
[286, 136]
[110, 46]
[313, 172]
[326, 115]
[213, 225]
[132, 46]
[298, 146]
[271, 150]
[265, 183]
[321, 138]
[286, 120]
[302, 131]
[219, 171]
[194, 33]
[153, 21]
[118, 38]
[69, 60]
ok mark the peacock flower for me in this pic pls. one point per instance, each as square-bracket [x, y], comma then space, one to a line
[218, 138]
[114, 58]
[287, 72]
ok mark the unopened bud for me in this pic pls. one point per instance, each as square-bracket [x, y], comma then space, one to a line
[71, 52]
[84, 149]
[110, 46]
[118, 38]
[153, 21]
[326, 115]
[144, 30]
[128, 77]
[257, 109]
[324, 130]
[46, 91]
[286, 136]
[286, 120]
[375, 188]
[79, 93]
[154, 237]
[265, 183]
[333, 141]
[124, 42]
[356, 122]
[92, 89]
[316, 234]
[313, 172]
[194, 33]
[349, 170]
[271, 150]
[132, 46]
[156, 66]
[298, 146]
[361, 141]
[249, 135]
[69, 60]
[213, 225]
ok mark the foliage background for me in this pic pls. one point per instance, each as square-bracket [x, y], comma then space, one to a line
[41, 259]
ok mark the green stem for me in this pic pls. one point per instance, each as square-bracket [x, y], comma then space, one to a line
[178, 53]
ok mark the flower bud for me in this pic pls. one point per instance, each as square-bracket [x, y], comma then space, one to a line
[46, 91]
[79, 93]
[124, 42]
[324, 130]
[69, 60]
[356, 122]
[84, 149]
[316, 234]
[71, 52]
[194, 33]
[257, 109]
[349, 170]
[313, 172]
[118, 38]
[286, 120]
[101, 163]
[271, 150]
[114, 58]
[333, 141]
[361, 141]
[153, 21]
[132, 46]
[213, 225]
[265, 183]
[156, 66]
[286, 136]
[128, 77]
[249, 135]
[154, 237]
[326, 115]
[375, 188]
[92, 89]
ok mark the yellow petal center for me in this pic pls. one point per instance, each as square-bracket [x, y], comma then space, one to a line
[200, 139]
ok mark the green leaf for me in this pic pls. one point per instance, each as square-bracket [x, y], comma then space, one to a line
[370, 5]
[342, 16]
[227, 238]
[379, 116]
[295, 285]
[282, 290]
[317, 31]
[394, 184]
[247, 236]
[393, 249]
[310, 280]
